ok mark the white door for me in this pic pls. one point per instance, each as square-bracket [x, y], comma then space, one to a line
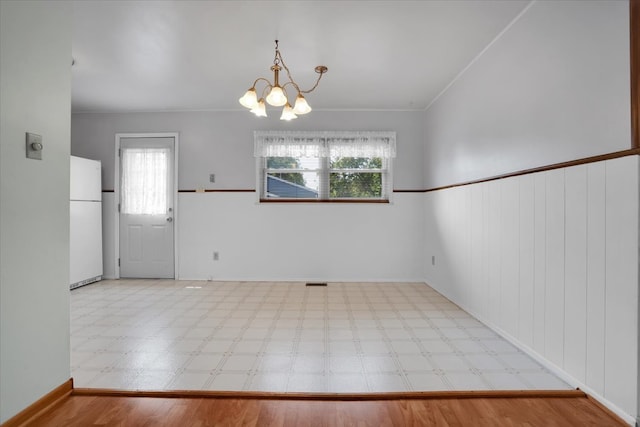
[146, 207]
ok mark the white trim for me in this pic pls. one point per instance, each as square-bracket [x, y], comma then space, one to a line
[116, 190]
[244, 110]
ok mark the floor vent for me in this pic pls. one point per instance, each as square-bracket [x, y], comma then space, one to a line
[316, 284]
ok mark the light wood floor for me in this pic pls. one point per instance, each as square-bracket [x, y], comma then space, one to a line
[572, 408]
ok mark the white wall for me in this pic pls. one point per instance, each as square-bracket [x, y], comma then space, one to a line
[549, 260]
[554, 87]
[222, 142]
[300, 241]
[35, 82]
[269, 241]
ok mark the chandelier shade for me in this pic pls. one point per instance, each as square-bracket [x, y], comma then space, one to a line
[276, 94]
[287, 113]
[260, 109]
[250, 99]
[276, 97]
[301, 106]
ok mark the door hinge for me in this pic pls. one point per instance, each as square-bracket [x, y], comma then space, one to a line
[118, 262]
[118, 207]
[119, 152]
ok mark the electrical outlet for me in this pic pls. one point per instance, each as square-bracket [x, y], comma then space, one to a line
[212, 177]
[216, 256]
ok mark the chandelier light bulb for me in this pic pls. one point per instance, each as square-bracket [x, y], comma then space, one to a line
[276, 97]
[287, 113]
[301, 106]
[260, 109]
[249, 100]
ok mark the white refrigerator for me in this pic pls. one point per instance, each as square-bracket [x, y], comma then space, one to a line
[85, 222]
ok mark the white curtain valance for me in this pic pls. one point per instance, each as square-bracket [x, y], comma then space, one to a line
[324, 144]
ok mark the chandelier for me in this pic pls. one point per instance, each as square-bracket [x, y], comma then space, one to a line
[276, 94]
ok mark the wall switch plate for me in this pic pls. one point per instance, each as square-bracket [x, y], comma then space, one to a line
[212, 177]
[433, 260]
[216, 256]
[34, 146]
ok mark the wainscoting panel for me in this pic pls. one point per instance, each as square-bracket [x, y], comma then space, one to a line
[526, 276]
[478, 253]
[575, 256]
[493, 239]
[621, 281]
[550, 260]
[554, 261]
[509, 265]
[596, 275]
[539, 260]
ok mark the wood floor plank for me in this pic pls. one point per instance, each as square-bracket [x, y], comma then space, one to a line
[124, 411]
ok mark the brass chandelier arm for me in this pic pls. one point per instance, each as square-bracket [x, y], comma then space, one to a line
[261, 78]
[292, 83]
[265, 89]
[320, 69]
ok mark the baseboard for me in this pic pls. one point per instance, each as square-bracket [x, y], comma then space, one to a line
[609, 412]
[611, 408]
[301, 280]
[85, 282]
[422, 395]
[40, 405]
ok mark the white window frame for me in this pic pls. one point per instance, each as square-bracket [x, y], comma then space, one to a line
[383, 143]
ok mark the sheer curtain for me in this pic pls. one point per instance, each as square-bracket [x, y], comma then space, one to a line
[324, 144]
[144, 180]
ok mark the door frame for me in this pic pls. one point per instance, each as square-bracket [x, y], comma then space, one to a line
[116, 190]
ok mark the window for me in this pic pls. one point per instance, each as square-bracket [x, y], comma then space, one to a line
[144, 180]
[324, 165]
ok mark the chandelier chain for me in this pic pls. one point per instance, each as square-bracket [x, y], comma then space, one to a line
[278, 55]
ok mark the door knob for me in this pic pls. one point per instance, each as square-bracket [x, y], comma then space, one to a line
[169, 219]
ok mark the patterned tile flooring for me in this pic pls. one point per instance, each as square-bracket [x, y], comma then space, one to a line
[286, 337]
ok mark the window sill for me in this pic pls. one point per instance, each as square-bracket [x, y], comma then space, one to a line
[282, 200]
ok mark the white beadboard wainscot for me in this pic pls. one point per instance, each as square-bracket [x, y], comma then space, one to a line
[550, 261]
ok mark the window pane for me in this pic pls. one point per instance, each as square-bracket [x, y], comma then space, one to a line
[355, 185]
[296, 185]
[282, 163]
[293, 163]
[356, 163]
[144, 180]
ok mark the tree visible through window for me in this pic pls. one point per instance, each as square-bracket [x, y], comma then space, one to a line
[359, 177]
[286, 163]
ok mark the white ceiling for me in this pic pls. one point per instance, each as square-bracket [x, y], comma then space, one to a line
[203, 55]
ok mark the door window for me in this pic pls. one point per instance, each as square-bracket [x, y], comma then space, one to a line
[144, 181]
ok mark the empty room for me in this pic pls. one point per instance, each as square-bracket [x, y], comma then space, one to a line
[326, 202]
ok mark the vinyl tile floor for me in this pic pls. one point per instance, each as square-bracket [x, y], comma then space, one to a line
[287, 337]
